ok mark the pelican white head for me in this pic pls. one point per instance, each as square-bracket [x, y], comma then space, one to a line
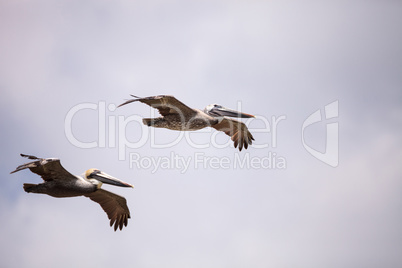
[217, 110]
[98, 177]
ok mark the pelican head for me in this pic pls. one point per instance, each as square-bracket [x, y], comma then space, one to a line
[217, 110]
[98, 177]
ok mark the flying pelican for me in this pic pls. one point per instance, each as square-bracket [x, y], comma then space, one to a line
[61, 183]
[178, 116]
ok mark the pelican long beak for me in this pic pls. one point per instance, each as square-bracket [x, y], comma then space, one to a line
[106, 178]
[223, 111]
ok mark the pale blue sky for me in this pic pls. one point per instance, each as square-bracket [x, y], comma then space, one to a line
[277, 58]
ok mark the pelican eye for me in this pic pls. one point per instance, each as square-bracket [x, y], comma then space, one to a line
[94, 173]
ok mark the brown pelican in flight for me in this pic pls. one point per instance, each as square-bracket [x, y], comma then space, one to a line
[61, 183]
[178, 116]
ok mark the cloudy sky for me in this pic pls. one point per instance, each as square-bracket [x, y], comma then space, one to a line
[65, 65]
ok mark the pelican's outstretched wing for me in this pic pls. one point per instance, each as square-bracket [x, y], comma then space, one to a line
[114, 205]
[237, 130]
[48, 168]
[165, 104]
